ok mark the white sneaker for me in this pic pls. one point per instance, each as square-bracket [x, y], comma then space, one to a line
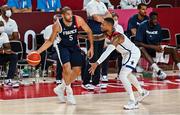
[161, 75]
[70, 97]
[139, 69]
[88, 86]
[15, 84]
[102, 85]
[8, 83]
[104, 78]
[143, 95]
[131, 105]
[59, 91]
[58, 82]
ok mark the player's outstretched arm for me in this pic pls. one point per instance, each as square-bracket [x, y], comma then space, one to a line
[103, 57]
[56, 29]
[118, 39]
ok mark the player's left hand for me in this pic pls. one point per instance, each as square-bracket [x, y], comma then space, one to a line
[90, 52]
[92, 68]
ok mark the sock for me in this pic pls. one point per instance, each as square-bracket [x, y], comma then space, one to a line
[132, 78]
[62, 85]
[69, 90]
[155, 67]
[127, 85]
[178, 64]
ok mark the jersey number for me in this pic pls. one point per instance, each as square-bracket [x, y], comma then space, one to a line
[70, 37]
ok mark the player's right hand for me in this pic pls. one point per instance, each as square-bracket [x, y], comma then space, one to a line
[158, 48]
[92, 68]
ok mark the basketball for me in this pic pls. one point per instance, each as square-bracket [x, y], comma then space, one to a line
[33, 58]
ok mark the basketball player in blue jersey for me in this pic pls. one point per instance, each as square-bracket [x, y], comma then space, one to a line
[130, 57]
[70, 53]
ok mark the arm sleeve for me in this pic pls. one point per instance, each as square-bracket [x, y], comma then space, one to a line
[105, 54]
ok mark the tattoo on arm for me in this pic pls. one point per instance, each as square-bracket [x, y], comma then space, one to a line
[118, 39]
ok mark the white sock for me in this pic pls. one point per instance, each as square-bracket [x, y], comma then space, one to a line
[132, 78]
[127, 85]
[155, 67]
[62, 85]
[69, 89]
[178, 64]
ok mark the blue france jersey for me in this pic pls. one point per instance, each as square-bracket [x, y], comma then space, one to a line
[69, 34]
[148, 34]
[134, 22]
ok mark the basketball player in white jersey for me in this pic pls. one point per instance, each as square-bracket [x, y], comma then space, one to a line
[130, 54]
[70, 53]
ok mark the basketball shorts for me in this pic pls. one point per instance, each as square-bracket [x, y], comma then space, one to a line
[72, 55]
[131, 60]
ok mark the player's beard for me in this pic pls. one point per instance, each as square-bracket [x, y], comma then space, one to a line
[68, 20]
[143, 14]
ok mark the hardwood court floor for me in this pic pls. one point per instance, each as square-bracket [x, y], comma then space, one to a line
[39, 99]
[159, 102]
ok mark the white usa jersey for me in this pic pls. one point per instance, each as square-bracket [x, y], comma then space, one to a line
[129, 51]
[125, 48]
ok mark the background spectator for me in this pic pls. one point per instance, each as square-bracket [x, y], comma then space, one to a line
[129, 4]
[11, 27]
[136, 20]
[48, 5]
[96, 11]
[53, 54]
[106, 2]
[7, 55]
[20, 6]
[149, 38]
[114, 55]
[117, 26]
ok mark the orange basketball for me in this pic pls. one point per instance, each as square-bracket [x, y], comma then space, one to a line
[33, 58]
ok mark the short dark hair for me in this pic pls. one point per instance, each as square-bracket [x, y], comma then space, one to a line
[140, 5]
[109, 20]
[65, 9]
[153, 14]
